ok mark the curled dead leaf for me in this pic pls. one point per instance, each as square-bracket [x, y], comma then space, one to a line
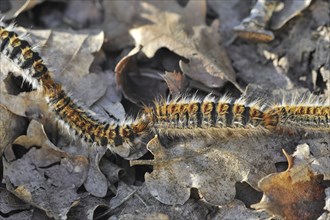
[296, 193]
[87, 208]
[138, 85]
[175, 82]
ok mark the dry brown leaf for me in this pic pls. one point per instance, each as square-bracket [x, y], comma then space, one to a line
[126, 64]
[134, 198]
[120, 16]
[110, 102]
[86, 208]
[298, 192]
[208, 61]
[138, 85]
[175, 82]
[96, 183]
[25, 104]
[150, 10]
[31, 105]
[11, 126]
[41, 175]
[73, 55]
[71, 60]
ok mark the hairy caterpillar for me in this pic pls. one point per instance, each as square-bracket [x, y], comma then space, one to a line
[207, 116]
[171, 117]
[34, 71]
[307, 114]
[176, 116]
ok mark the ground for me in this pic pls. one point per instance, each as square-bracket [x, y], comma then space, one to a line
[116, 57]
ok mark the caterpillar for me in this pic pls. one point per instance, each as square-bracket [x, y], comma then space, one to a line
[209, 115]
[216, 115]
[176, 116]
[77, 118]
[306, 114]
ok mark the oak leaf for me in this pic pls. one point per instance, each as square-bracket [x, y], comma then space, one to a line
[212, 166]
[208, 61]
[296, 193]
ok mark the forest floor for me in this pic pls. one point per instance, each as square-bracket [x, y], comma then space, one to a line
[116, 57]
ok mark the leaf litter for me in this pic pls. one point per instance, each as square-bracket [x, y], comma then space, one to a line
[193, 40]
[42, 175]
[177, 178]
[297, 193]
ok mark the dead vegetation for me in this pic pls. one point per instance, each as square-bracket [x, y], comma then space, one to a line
[115, 56]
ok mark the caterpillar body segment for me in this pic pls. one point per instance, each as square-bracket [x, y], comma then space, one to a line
[21, 53]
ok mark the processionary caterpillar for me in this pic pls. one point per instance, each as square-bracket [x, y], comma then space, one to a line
[172, 117]
[35, 72]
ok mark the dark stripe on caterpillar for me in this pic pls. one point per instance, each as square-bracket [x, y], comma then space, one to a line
[186, 116]
[229, 115]
[118, 140]
[199, 115]
[246, 116]
[214, 115]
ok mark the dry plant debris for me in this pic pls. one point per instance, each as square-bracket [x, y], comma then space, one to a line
[297, 193]
[189, 38]
[42, 175]
[116, 56]
[209, 164]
